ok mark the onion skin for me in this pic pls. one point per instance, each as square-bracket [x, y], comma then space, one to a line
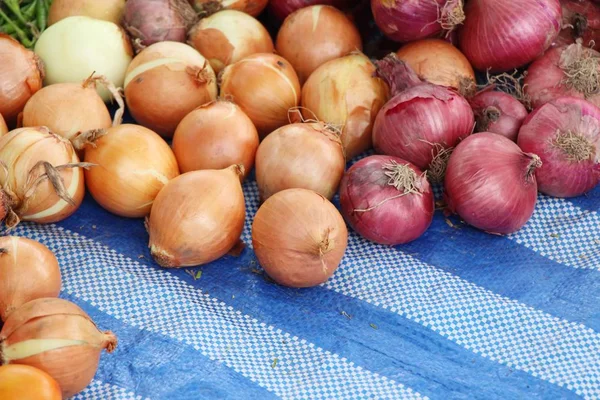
[498, 112]
[564, 172]
[395, 216]
[308, 248]
[3, 127]
[490, 183]
[134, 164]
[314, 35]
[501, 35]
[282, 8]
[344, 92]
[208, 7]
[27, 383]
[197, 217]
[581, 20]
[228, 36]
[107, 10]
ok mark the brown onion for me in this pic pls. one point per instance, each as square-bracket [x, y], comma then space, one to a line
[265, 86]
[23, 382]
[28, 271]
[59, 338]
[107, 10]
[314, 35]
[228, 36]
[305, 250]
[208, 7]
[3, 127]
[197, 217]
[165, 82]
[215, 136]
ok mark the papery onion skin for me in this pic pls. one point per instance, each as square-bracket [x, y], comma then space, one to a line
[3, 127]
[20, 260]
[498, 112]
[197, 217]
[381, 209]
[73, 363]
[133, 165]
[314, 35]
[215, 136]
[501, 35]
[490, 183]
[208, 7]
[265, 86]
[228, 36]
[23, 382]
[308, 248]
[19, 79]
[107, 10]
[165, 82]
[566, 135]
[581, 20]
[344, 92]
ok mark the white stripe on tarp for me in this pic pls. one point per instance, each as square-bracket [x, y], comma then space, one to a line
[98, 390]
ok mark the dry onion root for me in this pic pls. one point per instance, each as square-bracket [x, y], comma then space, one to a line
[57, 337]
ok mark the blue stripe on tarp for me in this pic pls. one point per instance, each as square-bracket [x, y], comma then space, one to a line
[589, 201]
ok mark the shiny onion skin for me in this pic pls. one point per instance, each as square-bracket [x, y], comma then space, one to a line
[498, 112]
[566, 135]
[409, 20]
[307, 249]
[208, 7]
[387, 200]
[490, 183]
[581, 20]
[282, 8]
[3, 127]
[344, 92]
[314, 35]
[22, 382]
[501, 35]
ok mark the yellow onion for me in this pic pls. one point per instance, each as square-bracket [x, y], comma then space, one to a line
[3, 127]
[345, 92]
[41, 176]
[228, 36]
[215, 136]
[208, 7]
[59, 338]
[197, 217]
[28, 271]
[21, 75]
[299, 238]
[165, 82]
[22, 382]
[265, 86]
[308, 156]
[133, 165]
[107, 10]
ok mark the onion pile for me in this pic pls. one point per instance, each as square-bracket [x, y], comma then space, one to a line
[25, 382]
[581, 20]
[498, 112]
[208, 7]
[107, 10]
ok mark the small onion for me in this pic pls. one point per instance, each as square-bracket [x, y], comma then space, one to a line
[581, 20]
[28, 271]
[345, 92]
[3, 127]
[215, 136]
[314, 35]
[19, 79]
[566, 135]
[387, 200]
[197, 217]
[107, 10]
[20, 382]
[282, 8]
[57, 337]
[133, 165]
[265, 86]
[208, 7]
[491, 184]
[165, 82]
[308, 156]
[307, 249]
[498, 112]
[228, 36]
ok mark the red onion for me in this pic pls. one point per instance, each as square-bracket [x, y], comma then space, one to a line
[566, 134]
[282, 8]
[405, 21]
[498, 112]
[581, 19]
[387, 200]
[422, 122]
[572, 70]
[490, 183]
[505, 34]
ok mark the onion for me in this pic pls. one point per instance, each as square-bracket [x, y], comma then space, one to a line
[422, 122]
[566, 134]
[501, 35]
[265, 86]
[581, 20]
[3, 127]
[282, 8]
[107, 10]
[498, 112]
[133, 165]
[307, 249]
[387, 200]
[208, 7]
[314, 35]
[405, 21]
[228, 36]
[25, 382]
[215, 136]
[491, 183]
[76, 47]
[57, 337]
[197, 217]
[19, 79]
[345, 92]
[165, 82]
[439, 62]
